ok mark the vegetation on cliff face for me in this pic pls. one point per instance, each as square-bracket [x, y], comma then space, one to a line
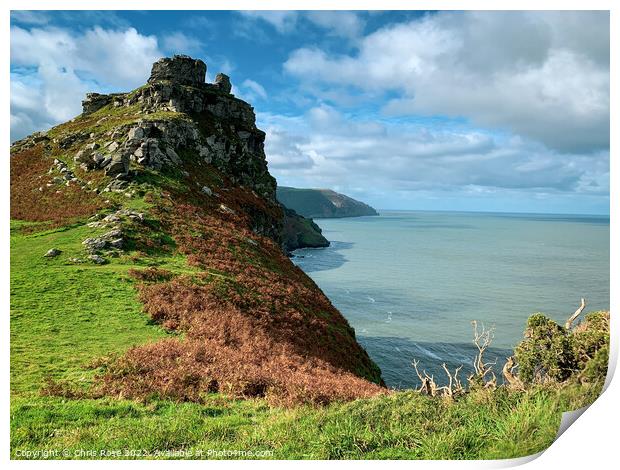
[322, 203]
[300, 232]
[167, 317]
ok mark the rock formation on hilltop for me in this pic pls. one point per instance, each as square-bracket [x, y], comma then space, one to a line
[176, 168]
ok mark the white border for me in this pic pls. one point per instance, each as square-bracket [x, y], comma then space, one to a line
[591, 442]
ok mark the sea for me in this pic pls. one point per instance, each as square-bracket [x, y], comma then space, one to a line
[411, 282]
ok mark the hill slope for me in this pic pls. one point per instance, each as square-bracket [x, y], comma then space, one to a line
[176, 170]
[322, 203]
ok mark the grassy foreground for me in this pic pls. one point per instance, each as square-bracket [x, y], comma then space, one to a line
[65, 315]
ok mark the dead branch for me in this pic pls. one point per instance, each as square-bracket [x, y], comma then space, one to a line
[482, 340]
[509, 377]
[573, 317]
[454, 386]
[428, 387]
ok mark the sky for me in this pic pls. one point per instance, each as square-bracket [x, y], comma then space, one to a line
[468, 111]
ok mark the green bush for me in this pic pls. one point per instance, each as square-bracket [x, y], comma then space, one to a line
[551, 352]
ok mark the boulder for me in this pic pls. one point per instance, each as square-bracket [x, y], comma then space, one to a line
[119, 164]
[52, 253]
[97, 259]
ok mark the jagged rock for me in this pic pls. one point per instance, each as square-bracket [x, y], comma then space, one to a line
[119, 164]
[112, 146]
[180, 69]
[105, 162]
[206, 190]
[222, 81]
[117, 243]
[97, 259]
[116, 233]
[135, 133]
[98, 158]
[52, 253]
[94, 244]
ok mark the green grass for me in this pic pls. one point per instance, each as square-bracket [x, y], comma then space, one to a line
[405, 425]
[64, 316]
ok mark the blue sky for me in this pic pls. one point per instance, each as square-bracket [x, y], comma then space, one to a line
[483, 111]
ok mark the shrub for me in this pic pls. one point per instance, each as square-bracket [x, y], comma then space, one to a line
[552, 352]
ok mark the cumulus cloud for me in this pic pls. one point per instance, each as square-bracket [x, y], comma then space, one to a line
[350, 153]
[337, 23]
[282, 20]
[54, 67]
[541, 75]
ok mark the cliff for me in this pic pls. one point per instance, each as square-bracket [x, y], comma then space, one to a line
[322, 203]
[168, 184]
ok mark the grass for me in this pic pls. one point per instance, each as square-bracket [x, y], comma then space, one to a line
[64, 316]
[405, 425]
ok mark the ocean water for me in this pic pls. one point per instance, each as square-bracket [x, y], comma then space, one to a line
[410, 283]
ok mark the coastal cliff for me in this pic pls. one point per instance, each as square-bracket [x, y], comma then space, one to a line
[322, 203]
[169, 184]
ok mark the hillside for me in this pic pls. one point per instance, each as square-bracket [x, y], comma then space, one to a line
[322, 203]
[155, 313]
[176, 170]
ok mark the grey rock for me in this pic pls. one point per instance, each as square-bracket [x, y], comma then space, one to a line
[116, 233]
[105, 162]
[97, 259]
[94, 244]
[117, 243]
[206, 190]
[222, 81]
[135, 133]
[112, 146]
[118, 165]
[52, 253]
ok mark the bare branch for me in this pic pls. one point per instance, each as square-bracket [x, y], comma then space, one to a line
[573, 317]
[509, 377]
[482, 340]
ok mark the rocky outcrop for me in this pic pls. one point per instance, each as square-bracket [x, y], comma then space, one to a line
[179, 69]
[322, 203]
[207, 124]
[300, 232]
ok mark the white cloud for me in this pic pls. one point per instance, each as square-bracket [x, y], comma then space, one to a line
[180, 43]
[340, 23]
[336, 23]
[282, 20]
[256, 88]
[57, 67]
[341, 151]
[122, 58]
[521, 71]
